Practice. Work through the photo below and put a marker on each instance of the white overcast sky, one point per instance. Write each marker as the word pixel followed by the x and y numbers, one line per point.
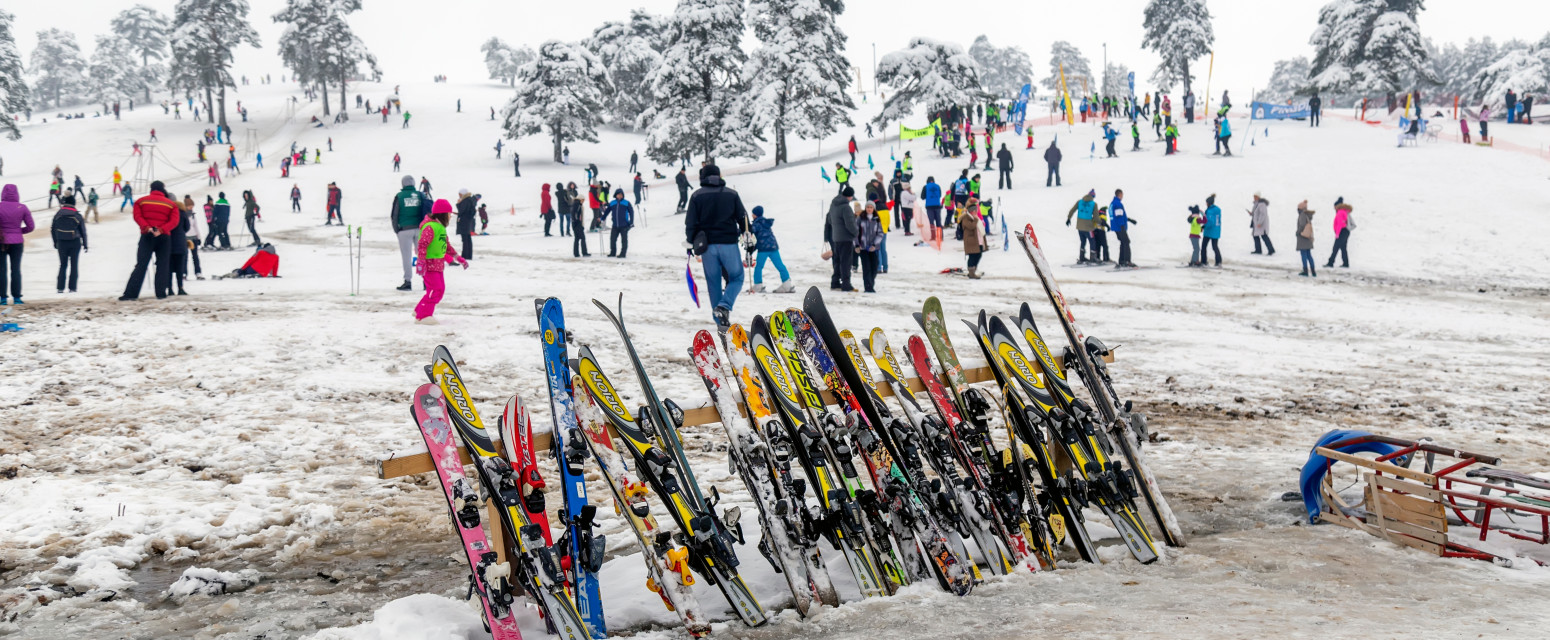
pixel 415 39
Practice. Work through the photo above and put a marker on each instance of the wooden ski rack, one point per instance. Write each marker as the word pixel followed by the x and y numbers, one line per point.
pixel 1410 508
pixel 395 466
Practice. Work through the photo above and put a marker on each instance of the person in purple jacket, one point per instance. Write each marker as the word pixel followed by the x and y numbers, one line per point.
pixel 15 224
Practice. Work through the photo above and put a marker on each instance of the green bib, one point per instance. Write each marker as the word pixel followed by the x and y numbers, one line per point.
pixel 438 248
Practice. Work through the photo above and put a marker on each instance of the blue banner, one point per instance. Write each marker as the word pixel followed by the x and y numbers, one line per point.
pixel 1020 108
pixel 1268 111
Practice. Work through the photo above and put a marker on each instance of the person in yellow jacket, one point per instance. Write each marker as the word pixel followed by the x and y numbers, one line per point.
pixel 117 178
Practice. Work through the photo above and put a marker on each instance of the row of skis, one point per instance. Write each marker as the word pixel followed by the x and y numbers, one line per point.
pixel 906 486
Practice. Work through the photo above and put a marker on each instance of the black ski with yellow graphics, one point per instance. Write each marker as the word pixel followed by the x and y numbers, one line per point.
pixel 977 512
pixel 538 570
pixel 841 520
pixel 1109 485
pixel 1009 472
pixel 709 544
pixel 891 456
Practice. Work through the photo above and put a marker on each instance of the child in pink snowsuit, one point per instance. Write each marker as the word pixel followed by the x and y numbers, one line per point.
pixel 434 254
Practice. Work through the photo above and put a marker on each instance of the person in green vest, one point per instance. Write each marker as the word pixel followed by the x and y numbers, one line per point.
pixel 434 255
pixel 1197 225
pixel 909 163
pixel 409 208
pixel 841 175
pixel 1171 140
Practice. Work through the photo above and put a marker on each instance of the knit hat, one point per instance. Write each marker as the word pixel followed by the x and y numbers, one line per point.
pixel 67 199
pixel 462 192
pixel 1092 192
pixel 1340 200
pixel 441 206
pixel 758 212
pixel 848 191
pixel 709 170
pixel 407 181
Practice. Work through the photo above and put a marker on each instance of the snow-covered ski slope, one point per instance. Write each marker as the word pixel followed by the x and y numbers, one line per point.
pixel 236 428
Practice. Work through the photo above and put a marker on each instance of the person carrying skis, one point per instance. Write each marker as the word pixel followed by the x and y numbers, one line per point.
pixel 407 212
pixel 1305 239
pixel 716 219
pixel 1083 211
pixel 1259 222
pixel 1211 231
pixel 1344 224
pixel 434 252
pixel 682 180
pixel 69 234
pixel 1052 158
pixel 334 198
pixel 621 215
pixel 1119 223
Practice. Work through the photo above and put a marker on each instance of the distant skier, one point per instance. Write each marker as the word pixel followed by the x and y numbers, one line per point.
pixel 1109 135
pixel 682 180
pixel 295 198
pixel 1052 158
pixel 1119 223
pixel 407 115
pixel 335 196
pixel 633 160
pixel 498 149
pixel 852 147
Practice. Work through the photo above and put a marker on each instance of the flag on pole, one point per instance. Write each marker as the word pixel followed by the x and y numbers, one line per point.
pixel 823 172
pixel 869 164
pixel 1065 97
pixel 694 290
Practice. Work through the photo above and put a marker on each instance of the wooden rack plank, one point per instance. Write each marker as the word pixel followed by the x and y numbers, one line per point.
pixel 421 462
pixel 1410 488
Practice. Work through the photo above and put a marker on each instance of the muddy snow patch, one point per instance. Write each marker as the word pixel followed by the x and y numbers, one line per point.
pixel 200 581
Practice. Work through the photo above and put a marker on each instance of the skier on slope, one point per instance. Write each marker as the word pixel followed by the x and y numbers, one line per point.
pixel 1119 223
pixel 715 220
pixel 335 198
pixel 682 180
pixel 1109 135
pixel 296 199
pixel 1052 158
pixel 1083 211
pixel 852 147
pixel 769 249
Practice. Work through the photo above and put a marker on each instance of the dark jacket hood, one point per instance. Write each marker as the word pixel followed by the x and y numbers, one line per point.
pixel 712 181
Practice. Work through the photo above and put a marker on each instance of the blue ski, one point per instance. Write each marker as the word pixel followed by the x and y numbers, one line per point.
pixel 569 444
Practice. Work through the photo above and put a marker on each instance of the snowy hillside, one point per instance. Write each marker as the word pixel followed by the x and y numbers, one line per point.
pixel 150 449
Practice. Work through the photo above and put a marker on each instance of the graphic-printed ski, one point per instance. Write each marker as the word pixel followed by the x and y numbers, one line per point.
pixel 535 564
pixel 489 578
pixel 516 429
pixel 667 566
pixel 579 544
pixel 1121 431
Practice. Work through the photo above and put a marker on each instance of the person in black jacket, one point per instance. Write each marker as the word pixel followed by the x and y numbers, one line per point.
pixel 578 247
pixel 467 218
pixel 180 245
pixel 839 230
pixel 1052 158
pixel 1315 109
pixel 1004 163
pixel 69 233
pixel 716 219
pixel 683 190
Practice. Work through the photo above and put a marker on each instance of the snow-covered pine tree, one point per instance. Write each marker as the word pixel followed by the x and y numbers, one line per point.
pixel 1368 46
pixel 629 49
pixel 798 77
pixel 503 60
pixel 204 34
pixel 1003 70
pixel 14 92
pixel 927 73
pixel 697 91
pixel 559 94
pixel 112 74
pixel 1287 81
pixel 1079 75
pixel 1524 70
pixel 57 66
pixel 1179 32
pixel 1116 80
pixel 1458 66
pixel 146 30
pixel 320 47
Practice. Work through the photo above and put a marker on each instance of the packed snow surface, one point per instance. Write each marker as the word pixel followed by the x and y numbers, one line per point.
pixel 152 450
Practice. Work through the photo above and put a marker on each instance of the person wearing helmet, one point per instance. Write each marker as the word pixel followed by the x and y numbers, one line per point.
pixel 434 252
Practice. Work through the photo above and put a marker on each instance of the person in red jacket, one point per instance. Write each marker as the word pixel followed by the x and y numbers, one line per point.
pixel 157 215
pixel 546 209
pixel 334 196
pixel 852 147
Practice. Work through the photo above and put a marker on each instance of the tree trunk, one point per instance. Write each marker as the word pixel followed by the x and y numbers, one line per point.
pixel 780 144
pixel 323 90
pixel 209 100
pixel 145 61
pixel 342 87
pixel 222 99
pixel 559 133
pixel 1186 76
